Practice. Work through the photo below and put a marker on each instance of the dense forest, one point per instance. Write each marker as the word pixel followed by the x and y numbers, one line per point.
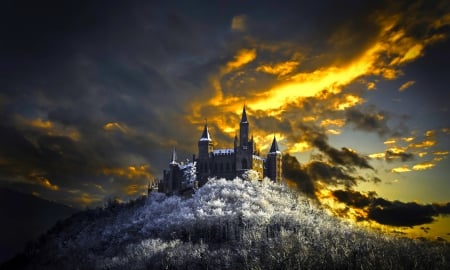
pixel 225 225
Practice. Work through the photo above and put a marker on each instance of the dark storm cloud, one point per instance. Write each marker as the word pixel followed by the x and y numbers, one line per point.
pixel 403 156
pixel 79 67
pixel 345 156
pixel 368 121
pixel 145 67
pixel 394 213
pixel 292 171
pixel 306 176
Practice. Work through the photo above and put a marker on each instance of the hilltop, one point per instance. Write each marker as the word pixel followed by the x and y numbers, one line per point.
pixel 225 225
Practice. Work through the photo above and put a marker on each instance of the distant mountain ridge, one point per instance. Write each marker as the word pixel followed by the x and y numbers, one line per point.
pixel 23 217
pixel 225 225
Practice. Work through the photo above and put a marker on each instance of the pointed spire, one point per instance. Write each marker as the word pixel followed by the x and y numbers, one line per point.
pixel 274 148
pixel 174 157
pixel 205 134
pixel 244 116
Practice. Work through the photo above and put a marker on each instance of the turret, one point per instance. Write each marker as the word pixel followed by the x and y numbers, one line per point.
pixel 205 144
pixel 274 162
pixel 205 149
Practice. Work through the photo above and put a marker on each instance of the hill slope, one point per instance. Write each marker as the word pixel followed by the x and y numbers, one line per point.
pixel 23 218
pixel 225 225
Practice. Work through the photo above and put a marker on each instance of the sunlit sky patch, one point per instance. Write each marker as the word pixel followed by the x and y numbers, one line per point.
pixel 92 104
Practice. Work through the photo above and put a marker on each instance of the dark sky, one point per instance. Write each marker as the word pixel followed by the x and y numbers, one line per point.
pixel 95 94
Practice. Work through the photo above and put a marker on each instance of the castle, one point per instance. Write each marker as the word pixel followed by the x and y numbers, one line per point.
pixel 226 163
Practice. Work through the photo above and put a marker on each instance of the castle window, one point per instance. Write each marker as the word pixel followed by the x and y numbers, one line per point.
pixel 244 164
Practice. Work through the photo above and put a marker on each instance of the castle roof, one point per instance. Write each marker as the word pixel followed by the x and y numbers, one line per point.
pixel 274 148
pixel 205 135
pixel 174 157
pixel 244 116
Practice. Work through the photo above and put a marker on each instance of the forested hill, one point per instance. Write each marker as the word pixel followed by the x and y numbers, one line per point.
pixel 225 225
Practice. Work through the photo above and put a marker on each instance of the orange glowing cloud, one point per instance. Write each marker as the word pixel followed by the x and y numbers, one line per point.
pixel 377 155
pixel 401 169
pixel 47 184
pixel 135 189
pixel 423 166
pixel 406 85
pixel 279 69
pixel 50 128
pixel 238 23
pixel 242 58
pixel 130 172
pixel 423 144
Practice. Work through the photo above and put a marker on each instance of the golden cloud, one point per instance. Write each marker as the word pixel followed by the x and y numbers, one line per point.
pixel 406 85
pixel 332 122
pixel 110 126
pixel 130 172
pixel 430 133
pixel 407 139
pixel 86 199
pixel 423 166
pixel 390 141
pixel 423 144
pixel 242 58
pixel 371 86
pixel 401 169
pixel 377 155
pixel 440 153
pixel 50 128
pixel 135 189
pixel 39 123
pixel 47 184
pixel 299 147
pixel 422 154
pixel 279 69
pixel 238 23
pixel 333 131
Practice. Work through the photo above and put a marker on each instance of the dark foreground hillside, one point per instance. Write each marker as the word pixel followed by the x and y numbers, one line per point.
pixel 225 225
pixel 23 217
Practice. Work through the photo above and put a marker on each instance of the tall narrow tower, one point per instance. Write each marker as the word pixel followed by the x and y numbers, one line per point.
pixel 205 148
pixel 273 162
pixel 243 130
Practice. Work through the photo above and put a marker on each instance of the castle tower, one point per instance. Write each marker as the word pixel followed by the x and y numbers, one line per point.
pixel 205 149
pixel 273 162
pixel 243 130
pixel 244 153
pixel 170 183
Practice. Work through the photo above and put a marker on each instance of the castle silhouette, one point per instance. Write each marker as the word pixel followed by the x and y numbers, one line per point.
pixel 226 163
